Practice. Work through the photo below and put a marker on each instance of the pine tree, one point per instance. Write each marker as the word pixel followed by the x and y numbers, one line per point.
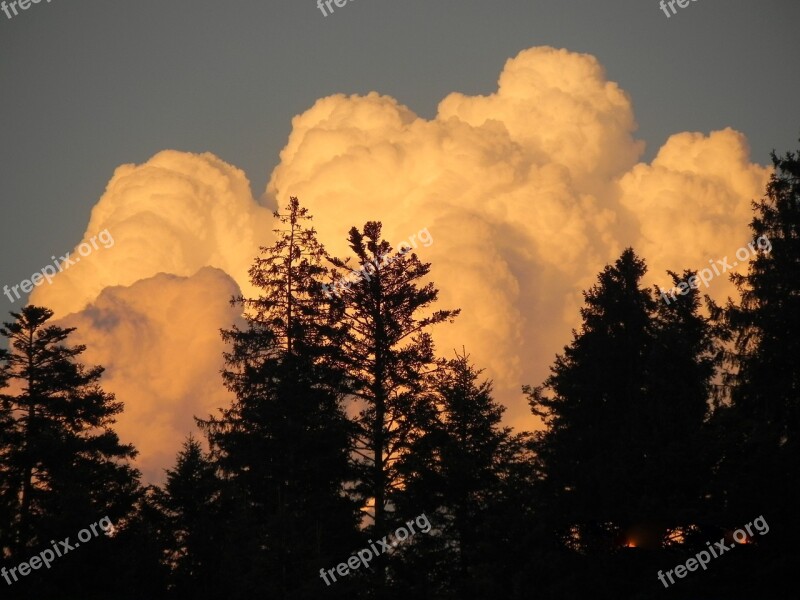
pixel 387 353
pixel 65 465
pixel 762 420
pixel 190 522
pixel 683 361
pixel 597 385
pixel 7 486
pixel 623 450
pixel 284 443
pixel 461 471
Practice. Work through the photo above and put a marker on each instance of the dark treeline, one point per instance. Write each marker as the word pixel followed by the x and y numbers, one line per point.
pixel 668 426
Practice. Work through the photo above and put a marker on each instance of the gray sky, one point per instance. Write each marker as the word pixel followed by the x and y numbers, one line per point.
pixel 88 85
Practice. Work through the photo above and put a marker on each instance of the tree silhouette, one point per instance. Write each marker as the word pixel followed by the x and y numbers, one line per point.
pixel 460 471
pixel 625 458
pixel 761 424
pixel 598 385
pixel 386 353
pixel 192 528
pixel 65 466
pixel 285 441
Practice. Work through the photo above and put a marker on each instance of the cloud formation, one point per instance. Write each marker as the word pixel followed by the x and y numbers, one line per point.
pixel 528 192
pixel 159 341
pixel 149 308
pixel 176 213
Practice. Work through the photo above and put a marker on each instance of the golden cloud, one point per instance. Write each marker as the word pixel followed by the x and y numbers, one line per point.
pixel 527 193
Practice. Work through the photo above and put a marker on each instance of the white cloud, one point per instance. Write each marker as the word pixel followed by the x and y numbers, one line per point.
pixel 527 192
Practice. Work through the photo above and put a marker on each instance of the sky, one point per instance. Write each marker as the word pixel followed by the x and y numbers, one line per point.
pixel 178 127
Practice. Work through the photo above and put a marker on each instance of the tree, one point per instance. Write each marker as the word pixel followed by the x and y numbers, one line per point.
pixel 761 423
pixel 387 353
pixel 462 471
pixel 7 486
pixel 284 443
pixel 64 464
pixel 191 524
pixel 684 359
pixel 597 385
pixel 623 451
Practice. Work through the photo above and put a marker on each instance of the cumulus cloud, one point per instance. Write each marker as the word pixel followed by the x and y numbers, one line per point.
pixel 176 213
pixel 150 307
pixel 159 341
pixel 692 204
pixel 527 192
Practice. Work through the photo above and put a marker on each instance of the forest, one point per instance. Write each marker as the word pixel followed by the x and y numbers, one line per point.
pixel 667 464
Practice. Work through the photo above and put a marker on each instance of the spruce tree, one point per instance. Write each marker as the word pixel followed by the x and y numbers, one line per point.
pixel 387 353
pixel 597 385
pixel 683 361
pixel 462 471
pixel 761 468
pixel 623 454
pixel 65 467
pixel 191 525
pixel 7 484
pixel 284 443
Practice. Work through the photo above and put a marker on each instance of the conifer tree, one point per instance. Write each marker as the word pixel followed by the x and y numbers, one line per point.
pixel 683 361
pixel 191 525
pixel 64 466
pixel 7 487
pixel 596 385
pixel 284 443
pixel 387 353
pixel 623 453
pixel 761 422
pixel 461 471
